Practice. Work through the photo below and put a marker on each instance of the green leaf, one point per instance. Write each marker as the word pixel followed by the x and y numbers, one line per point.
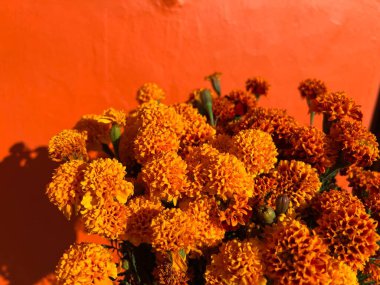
pixel 182 253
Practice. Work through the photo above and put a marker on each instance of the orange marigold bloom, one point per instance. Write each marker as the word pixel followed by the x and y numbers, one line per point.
pixel 235 104
pixel 222 142
pixel 311 88
pixel 85 263
pixel 173 230
pixel 256 150
pixel 165 271
pixel 296 179
pixel 312 146
pixel 148 92
pixel 64 191
pixel 363 182
pixel 109 220
pixel 225 175
pixel 342 274
pixel 358 145
pixel 205 212
pixel 257 86
pixel 238 262
pixel 294 256
pixel 165 177
pixel 264 184
pixel 112 116
pixel 237 211
pixel 337 106
pixel 350 235
pixel 152 141
pixel 197 130
pixel 67 145
pixel 372 269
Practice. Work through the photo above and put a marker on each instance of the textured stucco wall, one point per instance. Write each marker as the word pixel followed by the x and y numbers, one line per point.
pixel 61 59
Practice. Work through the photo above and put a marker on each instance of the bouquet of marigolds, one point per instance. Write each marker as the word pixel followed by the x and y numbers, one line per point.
pixel 218 190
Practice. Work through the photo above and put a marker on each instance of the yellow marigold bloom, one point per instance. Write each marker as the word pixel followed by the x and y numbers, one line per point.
pixel 104 181
pixel 141 212
pixel 350 235
pixel 358 145
pixel 196 128
pixel 329 201
pixel 108 220
pixel 298 180
pixel 257 86
pixel 311 88
pixel 98 133
pixel 237 211
pixel 337 106
pixel 342 274
pixel 64 191
pixel 256 150
pixel 225 175
pixel 312 146
pixel 294 256
pixel 205 212
pixel 148 92
pixel 165 177
pixel 152 141
pixel 235 104
pixel 67 145
pixel 173 230
pixel 85 263
pixel 112 116
pixel 160 116
pixel 165 271
pixel 372 268
pixel 238 262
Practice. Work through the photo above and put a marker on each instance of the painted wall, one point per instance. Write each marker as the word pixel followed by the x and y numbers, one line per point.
pixel 60 59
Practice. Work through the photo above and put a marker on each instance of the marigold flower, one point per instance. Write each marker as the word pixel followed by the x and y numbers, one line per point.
pixel 372 269
pixel 237 211
pixel 225 175
pixel 312 146
pixel 311 88
pixel 112 116
pixel 238 262
pixel 222 142
pixel 296 179
pixel 197 130
pixel 264 184
pixel 67 145
pixel 152 141
pixel 165 271
pixel 337 106
pixel 104 180
pixel 173 230
pixel 342 274
pixel 364 183
pixel 350 235
pixel 108 220
pixel 64 191
pixel 257 86
pixel 256 150
pixel 165 177
pixel 148 92
pixel 358 145
pixel 85 263
pixel 294 256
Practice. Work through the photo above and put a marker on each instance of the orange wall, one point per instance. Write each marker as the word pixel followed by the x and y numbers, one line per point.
pixel 60 59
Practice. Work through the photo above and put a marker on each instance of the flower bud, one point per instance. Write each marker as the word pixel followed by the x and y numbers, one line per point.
pixel 282 204
pixel 115 133
pixel 267 214
pixel 215 82
pixel 206 99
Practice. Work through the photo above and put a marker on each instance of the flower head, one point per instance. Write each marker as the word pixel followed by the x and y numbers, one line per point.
pixel 358 145
pixel 165 177
pixel 337 106
pixel 85 263
pixel 149 92
pixel 65 190
pixel 256 150
pixel 238 262
pixel 257 86
pixel 342 274
pixel 67 145
pixel 166 272
pixel 294 256
pixel 312 88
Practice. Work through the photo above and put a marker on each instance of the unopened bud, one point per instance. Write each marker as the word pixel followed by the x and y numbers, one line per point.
pixel 115 133
pixel 215 82
pixel 267 214
pixel 282 204
pixel 206 99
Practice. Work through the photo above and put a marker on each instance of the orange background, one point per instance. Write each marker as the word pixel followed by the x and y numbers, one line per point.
pixel 60 59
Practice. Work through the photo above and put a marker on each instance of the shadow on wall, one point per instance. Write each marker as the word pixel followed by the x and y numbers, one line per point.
pixel 34 233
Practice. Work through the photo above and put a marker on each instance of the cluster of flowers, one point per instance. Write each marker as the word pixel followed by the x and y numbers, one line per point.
pixel 219 190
